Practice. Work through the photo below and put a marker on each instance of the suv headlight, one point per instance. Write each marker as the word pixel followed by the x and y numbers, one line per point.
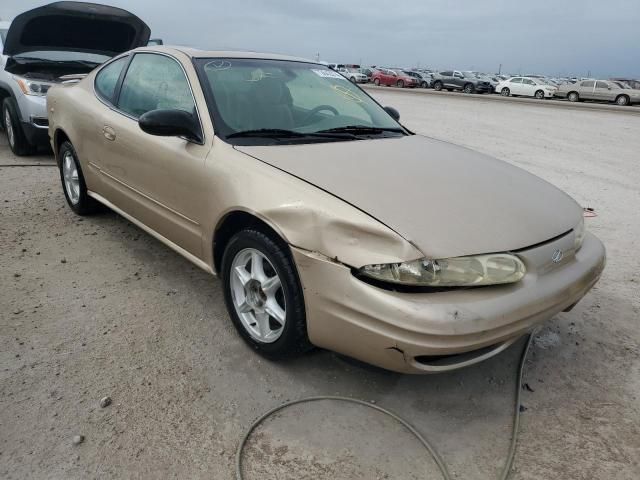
pixel 477 270
pixel 578 232
pixel 33 87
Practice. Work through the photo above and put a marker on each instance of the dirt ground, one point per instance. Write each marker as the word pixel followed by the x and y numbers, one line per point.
pixel 94 307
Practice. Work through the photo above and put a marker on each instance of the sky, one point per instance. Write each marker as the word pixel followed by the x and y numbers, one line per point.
pixel 558 37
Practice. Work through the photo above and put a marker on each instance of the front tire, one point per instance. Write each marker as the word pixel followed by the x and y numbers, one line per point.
pixel 16 138
pixel 539 95
pixel 622 100
pixel 469 88
pixel 263 294
pixel 400 84
pixel 73 184
pixel 505 92
pixel 376 82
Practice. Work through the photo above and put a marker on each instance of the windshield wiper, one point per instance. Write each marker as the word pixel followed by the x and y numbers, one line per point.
pixel 362 130
pixel 282 133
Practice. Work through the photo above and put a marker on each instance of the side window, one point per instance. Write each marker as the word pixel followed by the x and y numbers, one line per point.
pixel 446 74
pixel 588 84
pixel 154 82
pixel 602 85
pixel 107 78
pixel 516 80
pixel 527 81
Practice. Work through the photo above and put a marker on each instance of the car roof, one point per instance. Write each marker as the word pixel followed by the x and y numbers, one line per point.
pixel 197 53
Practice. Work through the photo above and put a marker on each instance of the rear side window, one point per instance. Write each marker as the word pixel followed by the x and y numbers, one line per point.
pixel 587 84
pixel 446 74
pixel 602 85
pixel 154 82
pixel 527 81
pixel 107 78
pixel 516 80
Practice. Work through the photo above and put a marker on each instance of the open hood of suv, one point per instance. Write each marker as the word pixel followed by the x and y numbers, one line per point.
pixel 77 27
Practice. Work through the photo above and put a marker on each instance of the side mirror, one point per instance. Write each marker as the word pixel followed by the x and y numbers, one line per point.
pixel 171 123
pixel 395 114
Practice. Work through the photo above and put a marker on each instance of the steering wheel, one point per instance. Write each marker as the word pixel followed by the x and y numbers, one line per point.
pixel 320 108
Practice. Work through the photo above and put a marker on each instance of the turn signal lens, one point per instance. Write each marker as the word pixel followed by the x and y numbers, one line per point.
pixel 477 270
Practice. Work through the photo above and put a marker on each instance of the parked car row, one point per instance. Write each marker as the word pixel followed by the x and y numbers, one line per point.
pixel 619 91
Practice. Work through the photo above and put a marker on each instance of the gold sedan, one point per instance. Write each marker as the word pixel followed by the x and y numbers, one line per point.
pixel 328 222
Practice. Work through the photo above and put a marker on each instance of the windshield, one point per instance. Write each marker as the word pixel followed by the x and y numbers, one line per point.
pixel 257 95
pixel 64 56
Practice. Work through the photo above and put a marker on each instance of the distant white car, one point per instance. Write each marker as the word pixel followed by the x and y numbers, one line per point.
pixel 526 87
pixel 353 74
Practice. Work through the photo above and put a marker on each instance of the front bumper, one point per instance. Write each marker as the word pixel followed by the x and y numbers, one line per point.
pixel 33 118
pixel 404 331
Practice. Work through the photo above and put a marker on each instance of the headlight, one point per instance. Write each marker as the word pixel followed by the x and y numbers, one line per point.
pixel 477 270
pixel 31 87
pixel 578 232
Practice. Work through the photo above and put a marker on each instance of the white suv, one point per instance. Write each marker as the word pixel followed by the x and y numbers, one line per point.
pixel 36 57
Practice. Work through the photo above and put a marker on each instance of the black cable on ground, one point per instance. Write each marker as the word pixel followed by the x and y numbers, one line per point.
pixel 506 470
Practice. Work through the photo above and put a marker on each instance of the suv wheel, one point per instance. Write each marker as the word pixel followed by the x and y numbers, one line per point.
pixel 263 294
pixel 573 97
pixel 73 185
pixel 15 136
pixel 469 88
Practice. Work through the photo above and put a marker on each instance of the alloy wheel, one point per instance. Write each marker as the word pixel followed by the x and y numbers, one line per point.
pixel 70 177
pixel 505 92
pixel 256 291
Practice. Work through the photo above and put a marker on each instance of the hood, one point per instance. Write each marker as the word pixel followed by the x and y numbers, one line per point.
pixel 447 200
pixel 77 27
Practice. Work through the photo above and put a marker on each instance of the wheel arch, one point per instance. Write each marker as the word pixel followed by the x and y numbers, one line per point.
pixel 234 221
pixel 59 136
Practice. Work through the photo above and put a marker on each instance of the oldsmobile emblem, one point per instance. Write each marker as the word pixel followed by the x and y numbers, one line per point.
pixel 557 256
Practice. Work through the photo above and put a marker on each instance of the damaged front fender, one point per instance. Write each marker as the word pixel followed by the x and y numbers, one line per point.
pixel 304 215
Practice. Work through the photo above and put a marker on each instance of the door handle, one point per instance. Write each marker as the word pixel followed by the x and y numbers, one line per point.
pixel 109 133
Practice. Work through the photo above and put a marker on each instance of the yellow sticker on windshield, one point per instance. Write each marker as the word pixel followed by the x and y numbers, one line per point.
pixel 348 93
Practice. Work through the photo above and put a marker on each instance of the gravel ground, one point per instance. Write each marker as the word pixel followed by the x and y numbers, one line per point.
pixel 94 307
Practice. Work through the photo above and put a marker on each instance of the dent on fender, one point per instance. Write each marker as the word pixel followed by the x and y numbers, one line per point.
pixel 340 240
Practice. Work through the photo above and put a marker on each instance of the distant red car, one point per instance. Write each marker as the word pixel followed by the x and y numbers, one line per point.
pixel 383 76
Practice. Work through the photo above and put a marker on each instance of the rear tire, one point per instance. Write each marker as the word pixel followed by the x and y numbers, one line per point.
pixel 539 95
pixel 573 97
pixel 259 326
pixel 505 92
pixel 73 184
pixel 437 86
pixel 469 88
pixel 16 138
pixel 622 100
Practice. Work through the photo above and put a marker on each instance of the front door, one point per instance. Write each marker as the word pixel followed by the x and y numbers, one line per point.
pixel 157 180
